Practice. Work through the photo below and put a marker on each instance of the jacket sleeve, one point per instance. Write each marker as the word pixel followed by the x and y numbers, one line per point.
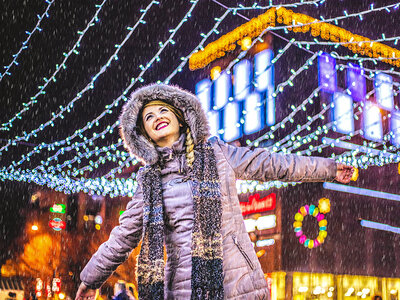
pixel 123 239
pixel 262 165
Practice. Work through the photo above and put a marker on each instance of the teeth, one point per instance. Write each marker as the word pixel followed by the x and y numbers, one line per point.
pixel 161 124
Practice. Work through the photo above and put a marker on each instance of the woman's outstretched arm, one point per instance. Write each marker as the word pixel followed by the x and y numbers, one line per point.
pixel 263 165
pixel 116 249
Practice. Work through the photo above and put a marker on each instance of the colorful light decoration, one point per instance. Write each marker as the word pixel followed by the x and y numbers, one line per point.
pixel 313 211
pixel 24 44
pixel 57 224
pixel 298 23
pixel 78 133
pixel 59 67
pixel 58 208
pixel 68 107
pixel 354 177
pixel 324 205
pixel 51 176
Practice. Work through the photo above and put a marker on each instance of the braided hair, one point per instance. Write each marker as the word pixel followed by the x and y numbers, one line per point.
pixel 189 147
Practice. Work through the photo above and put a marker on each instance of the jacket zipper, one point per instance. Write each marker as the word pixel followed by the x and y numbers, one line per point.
pixel 171 279
pixel 175 266
pixel 248 260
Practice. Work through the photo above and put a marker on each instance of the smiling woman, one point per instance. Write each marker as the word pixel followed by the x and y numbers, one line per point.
pixel 161 124
pixel 187 200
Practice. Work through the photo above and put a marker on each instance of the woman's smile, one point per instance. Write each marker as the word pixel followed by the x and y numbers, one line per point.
pixel 161 125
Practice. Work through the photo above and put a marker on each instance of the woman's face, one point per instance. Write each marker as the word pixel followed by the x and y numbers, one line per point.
pixel 161 125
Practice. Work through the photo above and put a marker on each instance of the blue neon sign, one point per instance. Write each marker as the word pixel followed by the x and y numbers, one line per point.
pixel 327 73
pixel 241 103
pixel 372 116
pixel 356 82
pixel 384 90
pixel 343 113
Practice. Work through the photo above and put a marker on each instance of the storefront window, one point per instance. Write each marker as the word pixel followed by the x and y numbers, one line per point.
pixel 276 285
pixel 357 287
pixel 313 286
pixel 391 286
pixel 308 286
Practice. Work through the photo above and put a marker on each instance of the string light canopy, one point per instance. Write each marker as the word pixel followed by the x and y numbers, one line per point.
pixel 63 164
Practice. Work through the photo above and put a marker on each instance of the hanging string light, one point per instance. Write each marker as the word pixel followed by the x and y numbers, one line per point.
pixel 25 43
pixel 59 67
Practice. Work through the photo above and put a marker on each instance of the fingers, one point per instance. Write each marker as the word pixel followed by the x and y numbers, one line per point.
pixel 84 293
pixel 344 173
pixel 85 296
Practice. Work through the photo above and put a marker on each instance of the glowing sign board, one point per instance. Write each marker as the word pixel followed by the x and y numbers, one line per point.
pixel 383 84
pixel 395 127
pixel 213 120
pixel 327 73
pixel 356 82
pixel 203 92
pixel 265 243
pixel 58 208
pixel 266 222
pixel 373 123
pixel 242 79
pixel 256 205
pixel 57 224
pixel 231 122
pixel 372 119
pixel 343 113
pixel 262 223
pixel 222 90
pixel 264 70
pixel 242 102
pixel 253 118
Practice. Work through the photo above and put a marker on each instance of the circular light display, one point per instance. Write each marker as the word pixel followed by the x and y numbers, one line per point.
pixel 313 211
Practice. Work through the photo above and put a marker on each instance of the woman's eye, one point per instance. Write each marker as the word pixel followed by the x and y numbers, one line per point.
pixel 164 109
pixel 148 117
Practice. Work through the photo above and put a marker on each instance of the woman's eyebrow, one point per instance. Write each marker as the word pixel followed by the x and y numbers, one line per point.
pixel 145 116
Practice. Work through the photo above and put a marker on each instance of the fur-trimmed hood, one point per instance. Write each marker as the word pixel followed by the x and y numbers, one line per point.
pixel 139 145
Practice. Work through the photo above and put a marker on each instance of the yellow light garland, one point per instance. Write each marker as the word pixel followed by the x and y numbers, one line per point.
pixel 253 28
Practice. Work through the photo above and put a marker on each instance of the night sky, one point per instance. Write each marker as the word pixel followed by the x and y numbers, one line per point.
pixel 59 33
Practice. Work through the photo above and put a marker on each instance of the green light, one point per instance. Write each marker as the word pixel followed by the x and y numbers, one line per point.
pixel 58 208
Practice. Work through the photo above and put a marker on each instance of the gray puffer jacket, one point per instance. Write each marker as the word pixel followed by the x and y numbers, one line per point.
pixel 243 277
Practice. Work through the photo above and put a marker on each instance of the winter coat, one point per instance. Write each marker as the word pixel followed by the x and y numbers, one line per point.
pixel 243 276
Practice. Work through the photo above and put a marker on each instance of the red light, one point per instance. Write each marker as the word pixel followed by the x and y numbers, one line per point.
pixel 256 205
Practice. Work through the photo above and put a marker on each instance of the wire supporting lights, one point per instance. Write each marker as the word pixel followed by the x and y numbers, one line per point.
pixel 89 86
pixel 310 210
pixel 297 22
pixel 256 6
pixel 115 103
pixel 99 186
pixel 250 186
pixel 6 175
pixel 25 43
pixel 57 171
pixel 199 46
pixel 59 67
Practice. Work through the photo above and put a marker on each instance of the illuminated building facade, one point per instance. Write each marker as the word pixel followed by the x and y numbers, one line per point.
pixel 359 256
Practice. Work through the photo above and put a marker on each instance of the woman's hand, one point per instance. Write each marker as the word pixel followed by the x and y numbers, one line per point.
pixel 84 293
pixel 344 173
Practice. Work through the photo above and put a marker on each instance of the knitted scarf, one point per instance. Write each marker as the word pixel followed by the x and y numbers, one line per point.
pixel 207 275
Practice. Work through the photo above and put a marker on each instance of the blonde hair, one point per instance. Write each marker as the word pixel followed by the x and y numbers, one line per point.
pixel 189 143
pixel 189 148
